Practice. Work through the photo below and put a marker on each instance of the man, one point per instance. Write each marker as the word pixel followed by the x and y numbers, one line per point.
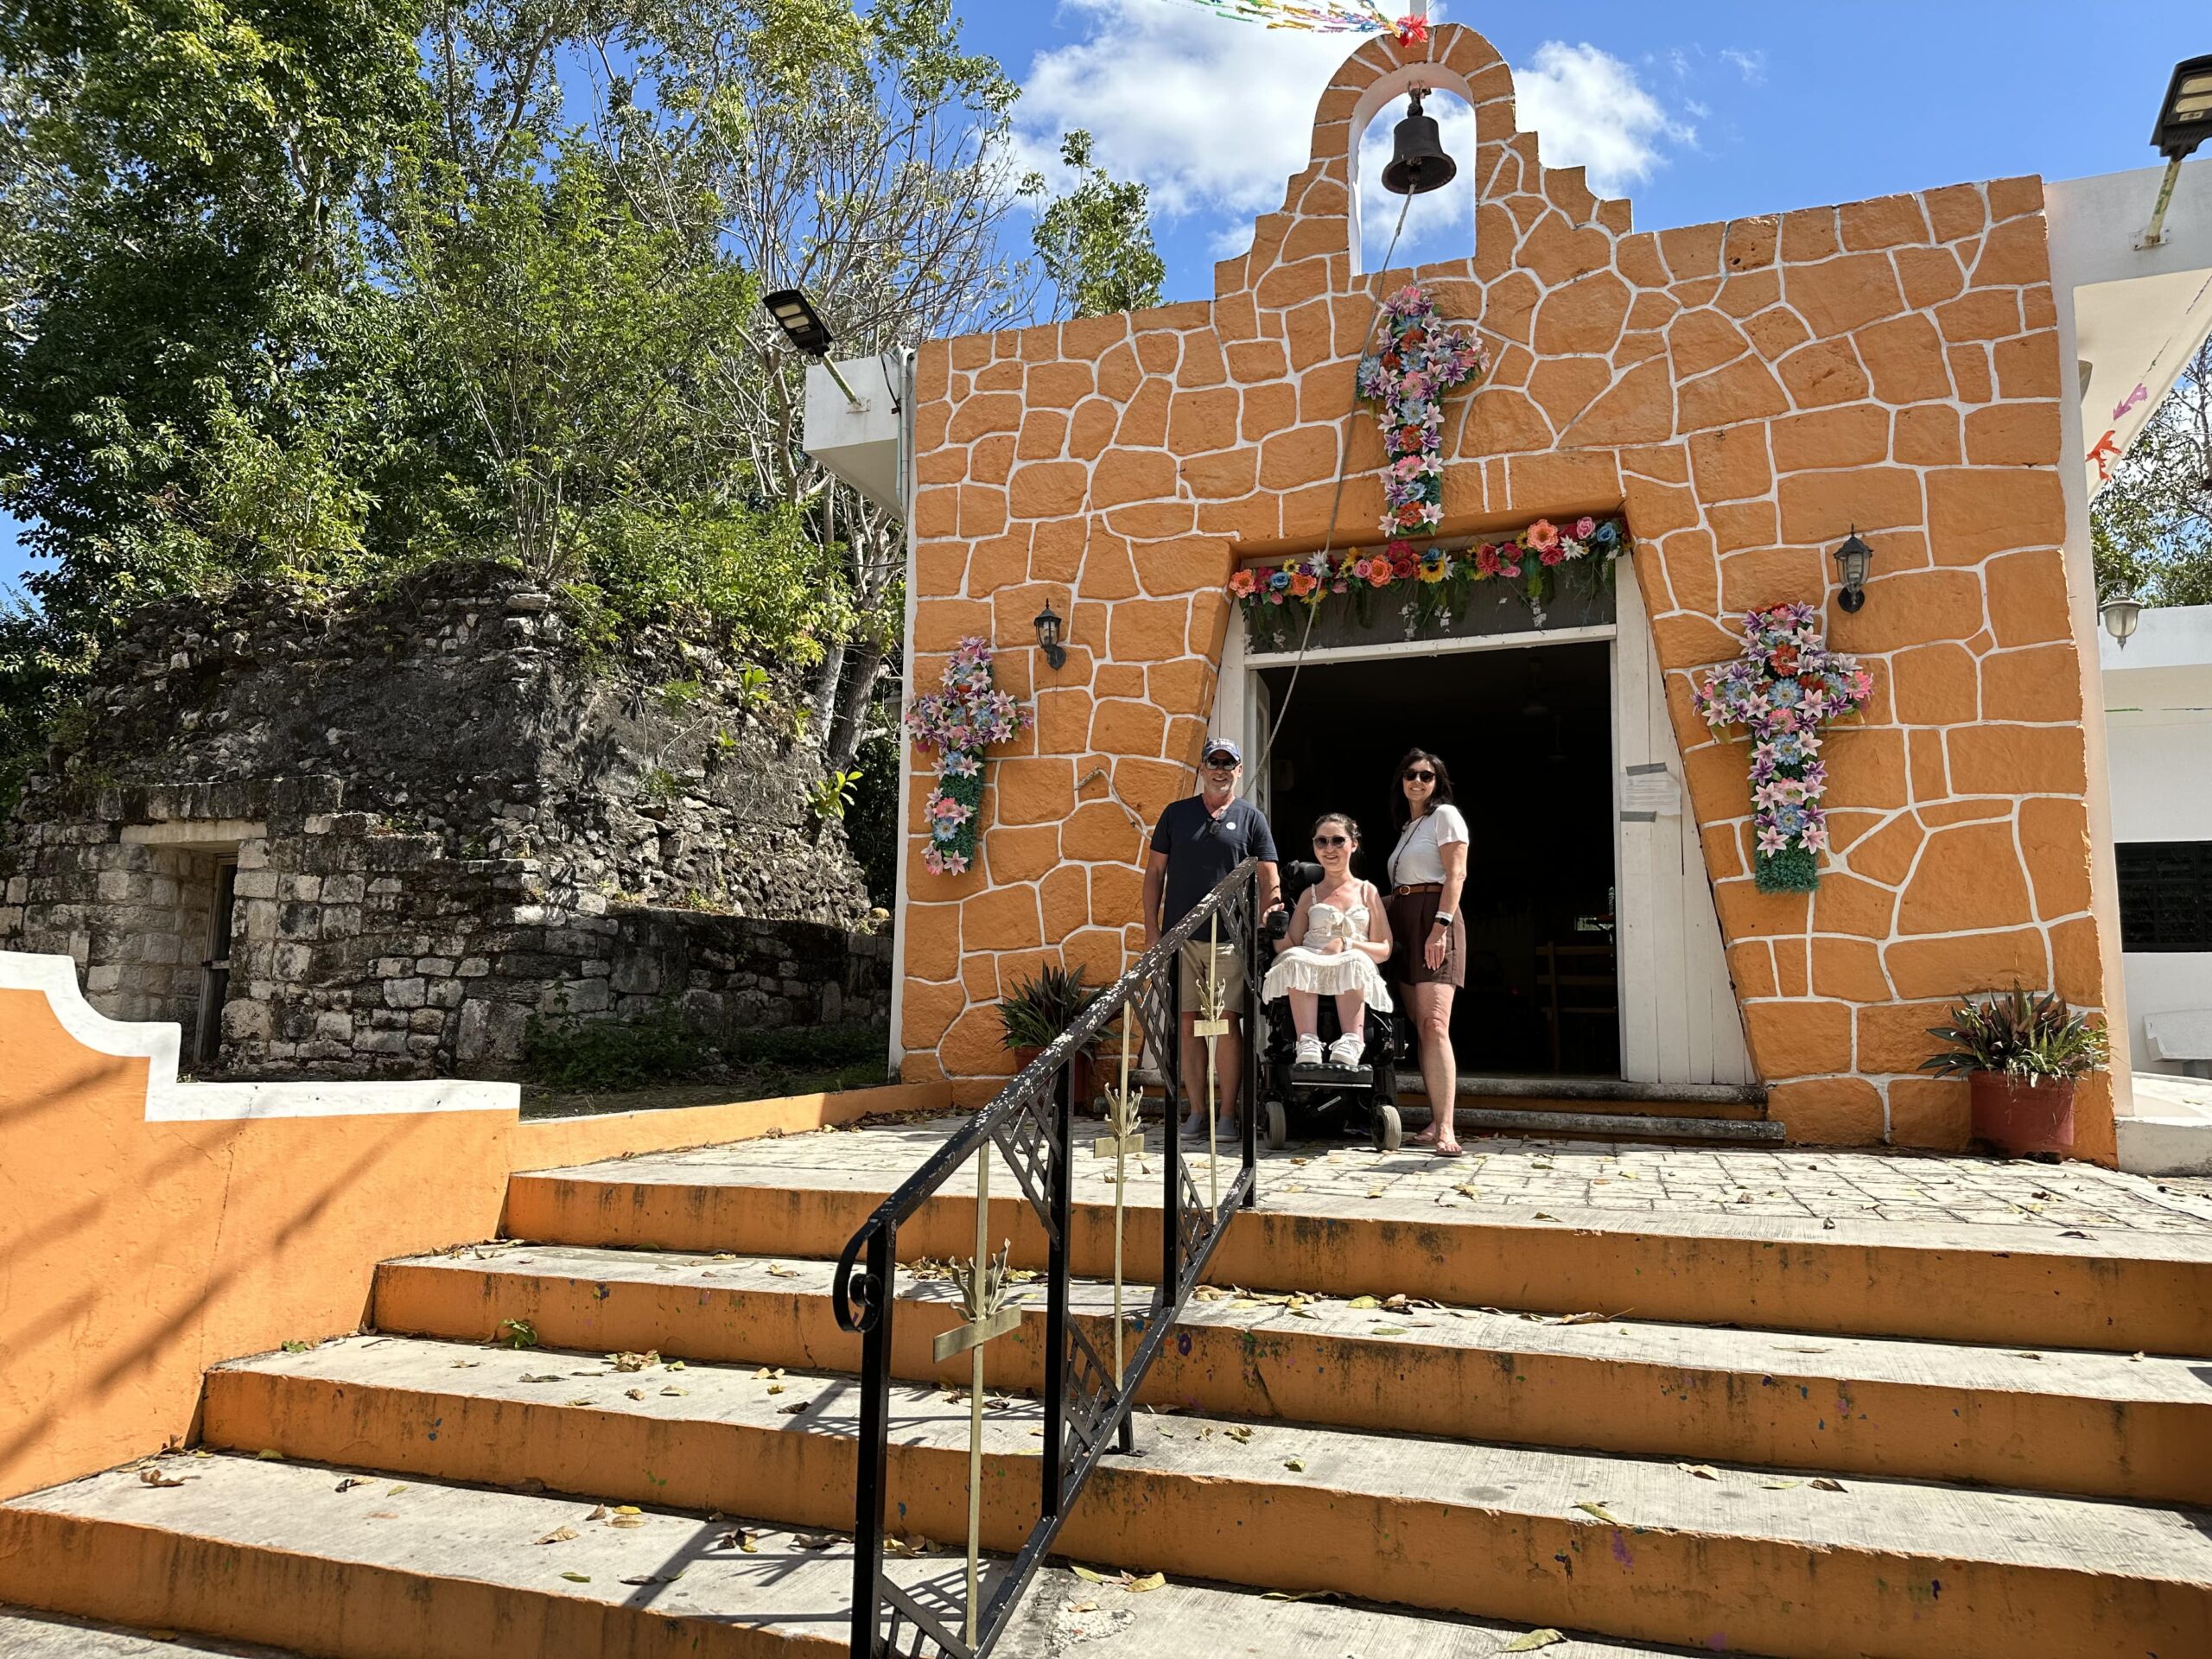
pixel 1197 841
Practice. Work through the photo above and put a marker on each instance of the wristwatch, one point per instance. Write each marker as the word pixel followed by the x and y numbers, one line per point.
pixel 1443 918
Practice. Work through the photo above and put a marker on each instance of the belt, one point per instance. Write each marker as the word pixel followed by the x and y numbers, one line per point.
pixel 1417 886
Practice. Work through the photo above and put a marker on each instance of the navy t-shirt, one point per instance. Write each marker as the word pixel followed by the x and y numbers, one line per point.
pixel 1201 849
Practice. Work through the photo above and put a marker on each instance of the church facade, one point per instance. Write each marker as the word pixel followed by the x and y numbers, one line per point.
pixel 1737 398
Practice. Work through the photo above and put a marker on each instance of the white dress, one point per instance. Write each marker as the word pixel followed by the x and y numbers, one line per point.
pixel 1304 967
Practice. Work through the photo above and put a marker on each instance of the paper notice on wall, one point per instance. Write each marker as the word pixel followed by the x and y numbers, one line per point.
pixel 1650 792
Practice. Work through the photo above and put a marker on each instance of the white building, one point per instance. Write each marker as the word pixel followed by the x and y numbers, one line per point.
pixel 2158 722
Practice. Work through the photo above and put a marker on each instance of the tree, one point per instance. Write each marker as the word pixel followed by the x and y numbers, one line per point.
pixel 1095 240
pixel 2150 528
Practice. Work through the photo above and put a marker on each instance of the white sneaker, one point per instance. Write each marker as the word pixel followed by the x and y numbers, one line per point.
pixel 1346 1051
pixel 1309 1051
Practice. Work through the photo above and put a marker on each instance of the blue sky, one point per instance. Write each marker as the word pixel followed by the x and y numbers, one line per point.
pixel 1697 109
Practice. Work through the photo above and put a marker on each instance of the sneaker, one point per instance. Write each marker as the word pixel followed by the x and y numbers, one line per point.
pixel 1194 1127
pixel 1309 1051
pixel 1346 1051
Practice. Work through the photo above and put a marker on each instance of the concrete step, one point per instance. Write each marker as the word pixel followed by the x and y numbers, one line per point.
pixel 50 1635
pixel 1953 1281
pixel 1638 1549
pixel 1576 1122
pixel 428 1571
pixel 2094 1424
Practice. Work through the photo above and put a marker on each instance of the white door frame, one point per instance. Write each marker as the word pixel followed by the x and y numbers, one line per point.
pixel 1678 1019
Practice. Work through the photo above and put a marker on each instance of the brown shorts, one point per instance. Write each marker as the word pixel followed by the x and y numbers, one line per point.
pixel 1228 974
pixel 1411 914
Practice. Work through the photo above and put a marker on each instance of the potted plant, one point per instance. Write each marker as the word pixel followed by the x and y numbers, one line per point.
pixel 1036 1011
pixel 2020 1055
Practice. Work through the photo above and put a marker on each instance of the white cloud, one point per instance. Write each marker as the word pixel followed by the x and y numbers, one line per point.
pixel 1751 65
pixel 1591 112
pixel 1213 115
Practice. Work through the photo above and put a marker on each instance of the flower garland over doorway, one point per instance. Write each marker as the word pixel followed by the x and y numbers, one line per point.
pixel 1785 686
pixel 1421 361
pixel 957 724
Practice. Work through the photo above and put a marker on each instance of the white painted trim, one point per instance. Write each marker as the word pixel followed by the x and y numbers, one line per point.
pixel 169 1101
pixel 907 474
pixel 1389 648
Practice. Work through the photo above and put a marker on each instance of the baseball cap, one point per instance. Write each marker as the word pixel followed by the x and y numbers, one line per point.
pixel 1222 746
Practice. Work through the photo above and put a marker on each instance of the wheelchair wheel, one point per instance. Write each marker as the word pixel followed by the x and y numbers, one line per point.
pixel 1278 1125
pixel 1389 1133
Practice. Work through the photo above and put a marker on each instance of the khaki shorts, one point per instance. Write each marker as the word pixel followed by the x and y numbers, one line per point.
pixel 1228 974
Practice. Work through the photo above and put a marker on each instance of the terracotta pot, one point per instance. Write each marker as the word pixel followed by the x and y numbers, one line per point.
pixel 1083 1065
pixel 2010 1113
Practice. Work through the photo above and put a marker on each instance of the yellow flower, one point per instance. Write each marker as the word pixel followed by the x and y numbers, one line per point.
pixel 1434 570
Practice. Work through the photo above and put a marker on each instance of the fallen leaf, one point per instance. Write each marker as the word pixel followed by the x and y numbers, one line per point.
pixel 1824 1485
pixel 767 1373
pixel 633 1394
pixel 1084 1607
pixel 634 1362
pixel 577 1578
pixel 1362 1302
pixel 907 1549
pixel 1584 1319
pixel 270 1454
pixel 1388 1330
pixel 558 1535
pixel 1301 1595
pixel 1241 1434
pixel 1601 1512
pixel 1702 1471
pixel 1540 1215
pixel 397 1489
pixel 673 1365
pixel 676 1390
pixel 626 1522
pixel 1780 1485
pixel 349 1484
pixel 550 1376
pixel 1150 1581
pixel 736 1539
pixel 1090 1577
pixel 778 1270
pixel 794 1408
pixel 598 1512
pixel 651 1578
pixel 1296 1466
pixel 1531 1642
pixel 775 1387
pixel 155 1477
pixel 582 1400
pixel 816 1540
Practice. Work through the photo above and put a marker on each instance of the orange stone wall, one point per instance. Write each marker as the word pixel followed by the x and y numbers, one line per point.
pixel 1746 392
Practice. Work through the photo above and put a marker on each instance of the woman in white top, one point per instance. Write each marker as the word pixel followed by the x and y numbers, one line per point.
pixel 1429 868
pixel 1342 940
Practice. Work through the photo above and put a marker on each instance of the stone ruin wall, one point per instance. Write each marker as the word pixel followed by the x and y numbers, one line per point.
pixel 445 820
pixel 1743 392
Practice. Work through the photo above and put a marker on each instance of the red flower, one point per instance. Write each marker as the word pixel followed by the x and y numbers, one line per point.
pixel 1402 565
pixel 1783 659
pixel 1551 555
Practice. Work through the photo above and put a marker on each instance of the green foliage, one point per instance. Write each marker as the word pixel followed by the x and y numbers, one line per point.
pixel 2021 1034
pixel 831 795
pixel 516 1333
pixel 1095 240
pixel 1036 1011
pixel 872 820
pixel 807 1047
pixel 2150 528
pixel 616 1053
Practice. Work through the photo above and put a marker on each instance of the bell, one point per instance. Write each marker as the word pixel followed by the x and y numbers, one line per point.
pixel 1418 164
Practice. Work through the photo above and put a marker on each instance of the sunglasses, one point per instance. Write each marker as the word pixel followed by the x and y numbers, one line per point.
pixel 1416 775
pixel 1223 763
pixel 1332 841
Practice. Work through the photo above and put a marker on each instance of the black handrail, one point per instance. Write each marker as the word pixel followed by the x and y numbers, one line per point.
pixel 1031 1122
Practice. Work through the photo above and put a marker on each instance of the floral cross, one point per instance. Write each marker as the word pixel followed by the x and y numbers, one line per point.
pixel 1785 686
pixel 958 723
pixel 1420 362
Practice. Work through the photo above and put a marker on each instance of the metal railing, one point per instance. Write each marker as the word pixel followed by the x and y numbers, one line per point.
pixel 1031 1124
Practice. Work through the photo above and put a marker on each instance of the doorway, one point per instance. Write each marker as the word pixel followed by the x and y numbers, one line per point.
pixel 1527 735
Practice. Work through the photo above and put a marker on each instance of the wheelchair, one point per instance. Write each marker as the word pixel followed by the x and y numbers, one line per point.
pixel 1342 1100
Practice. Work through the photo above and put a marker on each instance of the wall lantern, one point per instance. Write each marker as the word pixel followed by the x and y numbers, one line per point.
pixel 2120 614
pixel 1853 561
pixel 2185 122
pixel 810 336
pixel 1048 637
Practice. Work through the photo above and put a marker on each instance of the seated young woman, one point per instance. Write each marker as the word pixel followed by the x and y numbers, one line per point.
pixel 1341 936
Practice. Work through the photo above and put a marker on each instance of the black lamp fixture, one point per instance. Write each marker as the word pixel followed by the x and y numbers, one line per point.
pixel 2185 122
pixel 1418 164
pixel 2120 614
pixel 810 336
pixel 1048 637
pixel 1853 561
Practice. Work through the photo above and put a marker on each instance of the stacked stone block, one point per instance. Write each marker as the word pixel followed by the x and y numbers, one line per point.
pixel 1745 392
pixel 445 820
